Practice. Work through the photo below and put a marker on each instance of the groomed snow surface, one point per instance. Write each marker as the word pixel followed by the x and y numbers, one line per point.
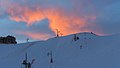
pixel 89 51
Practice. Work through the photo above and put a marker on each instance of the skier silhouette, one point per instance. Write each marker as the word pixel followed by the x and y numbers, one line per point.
pixel 26 63
pixel 75 37
pixel 81 46
pixel 29 65
pixel 51 60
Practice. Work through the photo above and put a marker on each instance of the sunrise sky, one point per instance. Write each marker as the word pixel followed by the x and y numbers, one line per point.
pixel 39 19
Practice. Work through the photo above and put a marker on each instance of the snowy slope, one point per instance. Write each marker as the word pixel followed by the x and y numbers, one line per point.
pixel 96 52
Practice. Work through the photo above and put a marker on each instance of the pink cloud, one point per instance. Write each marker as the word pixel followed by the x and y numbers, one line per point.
pixel 36 36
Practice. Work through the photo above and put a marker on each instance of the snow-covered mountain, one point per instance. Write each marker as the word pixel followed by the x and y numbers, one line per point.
pixel 88 51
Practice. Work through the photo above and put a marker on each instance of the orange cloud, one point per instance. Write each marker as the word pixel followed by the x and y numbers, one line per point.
pixel 65 22
pixel 24 14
